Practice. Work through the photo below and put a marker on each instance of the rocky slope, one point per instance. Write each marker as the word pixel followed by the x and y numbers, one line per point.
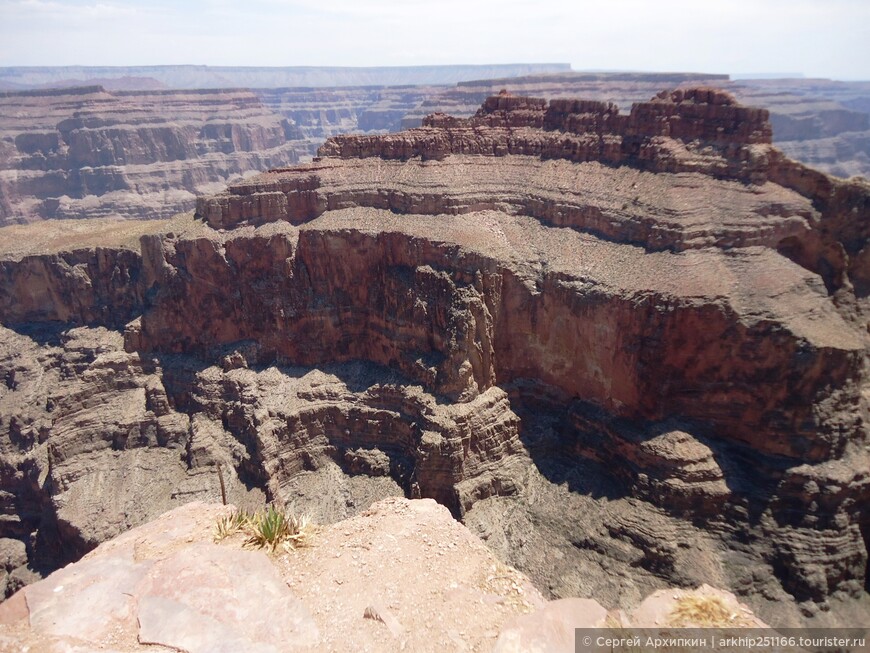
pixel 401 576
pixel 628 350
pixel 85 152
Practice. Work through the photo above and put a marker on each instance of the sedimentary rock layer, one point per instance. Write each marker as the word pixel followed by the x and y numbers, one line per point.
pixel 819 122
pixel 317 114
pixel 619 346
pixel 85 152
pixel 813 218
pixel 145 153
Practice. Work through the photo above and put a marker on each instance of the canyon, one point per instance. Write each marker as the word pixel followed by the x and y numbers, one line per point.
pixel 628 350
pixel 84 152
pixel 133 149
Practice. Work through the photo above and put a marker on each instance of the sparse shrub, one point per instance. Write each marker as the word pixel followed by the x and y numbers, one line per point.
pixel 267 528
pixel 704 612
pixel 230 524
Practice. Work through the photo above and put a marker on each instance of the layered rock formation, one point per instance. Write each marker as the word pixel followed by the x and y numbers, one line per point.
pixel 75 153
pixel 629 350
pixel 85 152
pixel 622 89
pixel 317 114
pixel 820 122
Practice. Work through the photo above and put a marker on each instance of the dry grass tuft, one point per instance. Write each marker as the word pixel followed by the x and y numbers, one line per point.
pixel 228 525
pixel 704 612
pixel 612 622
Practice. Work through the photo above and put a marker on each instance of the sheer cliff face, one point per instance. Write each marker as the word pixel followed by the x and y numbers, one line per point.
pixel 618 346
pixel 85 152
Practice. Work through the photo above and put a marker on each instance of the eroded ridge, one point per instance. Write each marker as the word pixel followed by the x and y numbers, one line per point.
pixel 692 168
pixel 609 368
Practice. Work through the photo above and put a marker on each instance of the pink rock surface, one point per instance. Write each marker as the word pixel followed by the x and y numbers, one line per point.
pixel 88 601
pixel 219 599
pixel 403 576
pixel 551 628
pixel 167 584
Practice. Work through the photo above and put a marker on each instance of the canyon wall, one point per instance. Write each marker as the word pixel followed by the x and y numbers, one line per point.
pixel 85 152
pixel 820 122
pixel 321 113
pixel 140 152
pixel 146 153
pixel 628 350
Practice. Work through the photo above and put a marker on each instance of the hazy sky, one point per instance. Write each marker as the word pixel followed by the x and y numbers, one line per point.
pixel 824 38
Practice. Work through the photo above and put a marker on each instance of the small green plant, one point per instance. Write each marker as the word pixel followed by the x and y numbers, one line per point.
pixel 267 528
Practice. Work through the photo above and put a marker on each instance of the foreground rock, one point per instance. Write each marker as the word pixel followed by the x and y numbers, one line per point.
pixel 628 350
pixel 401 576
